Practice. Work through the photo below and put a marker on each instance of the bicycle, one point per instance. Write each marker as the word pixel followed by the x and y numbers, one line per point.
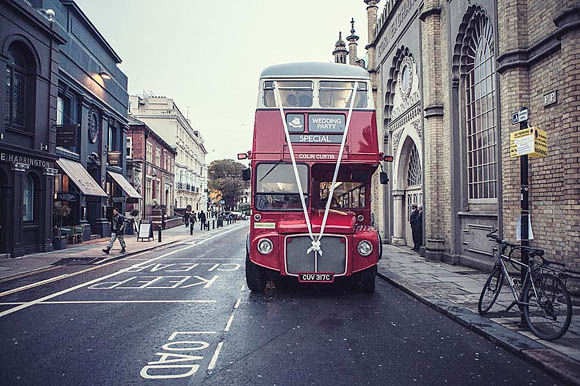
pixel 542 298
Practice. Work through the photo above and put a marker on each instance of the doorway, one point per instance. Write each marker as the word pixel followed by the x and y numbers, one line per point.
pixel 414 188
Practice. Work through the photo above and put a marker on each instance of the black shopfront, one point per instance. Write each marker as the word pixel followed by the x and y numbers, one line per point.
pixel 63 101
pixel 29 45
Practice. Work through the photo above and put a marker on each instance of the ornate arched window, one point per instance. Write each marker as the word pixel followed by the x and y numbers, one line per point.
pixel 20 86
pixel 480 109
pixel 414 173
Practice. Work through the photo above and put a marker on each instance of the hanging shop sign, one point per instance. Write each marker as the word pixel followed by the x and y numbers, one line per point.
pixel 532 142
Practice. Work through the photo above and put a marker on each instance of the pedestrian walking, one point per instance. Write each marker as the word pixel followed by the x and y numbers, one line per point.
pixel 186 216
pixel 117 228
pixel 416 220
pixel 202 220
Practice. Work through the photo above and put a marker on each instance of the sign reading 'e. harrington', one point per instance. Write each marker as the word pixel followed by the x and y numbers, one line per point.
pixel 15 158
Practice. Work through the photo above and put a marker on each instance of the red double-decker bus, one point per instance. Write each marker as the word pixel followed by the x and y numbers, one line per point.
pixel 314 151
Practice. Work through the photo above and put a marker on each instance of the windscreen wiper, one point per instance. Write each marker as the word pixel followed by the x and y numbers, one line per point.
pixel 269 171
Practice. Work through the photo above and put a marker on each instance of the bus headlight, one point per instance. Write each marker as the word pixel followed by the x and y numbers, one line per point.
pixel 265 246
pixel 365 248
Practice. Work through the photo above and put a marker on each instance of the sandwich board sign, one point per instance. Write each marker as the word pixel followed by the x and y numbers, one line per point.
pixel 145 230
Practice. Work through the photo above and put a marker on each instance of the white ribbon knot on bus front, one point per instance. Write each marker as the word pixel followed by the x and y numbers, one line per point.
pixel 315 240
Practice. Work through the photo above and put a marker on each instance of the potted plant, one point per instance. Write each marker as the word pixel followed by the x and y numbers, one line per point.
pixel 130 228
pixel 59 212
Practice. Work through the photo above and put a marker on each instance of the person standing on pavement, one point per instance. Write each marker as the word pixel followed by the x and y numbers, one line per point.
pixel 117 228
pixel 202 219
pixel 416 222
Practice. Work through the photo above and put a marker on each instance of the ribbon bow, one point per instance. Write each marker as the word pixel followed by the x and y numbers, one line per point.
pixel 315 247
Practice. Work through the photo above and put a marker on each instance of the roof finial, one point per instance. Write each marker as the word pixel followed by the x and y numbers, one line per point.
pixel 352 23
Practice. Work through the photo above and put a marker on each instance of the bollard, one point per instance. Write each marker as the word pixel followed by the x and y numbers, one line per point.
pixel 191 228
pixel 213 224
pixel 159 233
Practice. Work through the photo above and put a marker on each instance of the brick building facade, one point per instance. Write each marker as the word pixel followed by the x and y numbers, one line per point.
pixel 150 168
pixel 448 76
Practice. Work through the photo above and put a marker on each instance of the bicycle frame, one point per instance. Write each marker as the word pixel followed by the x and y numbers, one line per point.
pixel 511 283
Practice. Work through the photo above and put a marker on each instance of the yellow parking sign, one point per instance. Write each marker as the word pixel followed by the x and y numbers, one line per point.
pixel 532 142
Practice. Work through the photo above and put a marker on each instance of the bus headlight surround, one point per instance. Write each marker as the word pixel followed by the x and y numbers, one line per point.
pixel 265 246
pixel 365 248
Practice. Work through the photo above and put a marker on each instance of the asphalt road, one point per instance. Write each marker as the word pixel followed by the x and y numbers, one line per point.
pixel 183 316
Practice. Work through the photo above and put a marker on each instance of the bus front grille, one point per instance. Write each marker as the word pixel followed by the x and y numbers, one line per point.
pixel 332 260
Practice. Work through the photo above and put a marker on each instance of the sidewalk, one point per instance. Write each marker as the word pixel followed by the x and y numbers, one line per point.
pixel 90 252
pixel 455 290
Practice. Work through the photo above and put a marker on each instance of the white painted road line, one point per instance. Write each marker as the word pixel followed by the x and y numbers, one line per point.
pixel 33 285
pixel 215 356
pixel 229 324
pixel 48 297
pixel 110 302
pixel 237 304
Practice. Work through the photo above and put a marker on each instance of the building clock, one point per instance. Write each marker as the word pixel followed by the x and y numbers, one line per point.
pixel 93 127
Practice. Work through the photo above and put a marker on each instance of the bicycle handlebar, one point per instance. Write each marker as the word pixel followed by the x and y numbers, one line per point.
pixel 492 235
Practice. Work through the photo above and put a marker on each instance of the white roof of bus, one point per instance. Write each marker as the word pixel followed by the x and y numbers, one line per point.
pixel 314 69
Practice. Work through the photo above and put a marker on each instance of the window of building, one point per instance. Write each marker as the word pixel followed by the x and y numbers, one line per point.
pixel 67 131
pixel 19 87
pixel 149 154
pixel 28 201
pixel 480 114
pixel 149 190
pixel 414 173
pixel 129 147
pixel 158 157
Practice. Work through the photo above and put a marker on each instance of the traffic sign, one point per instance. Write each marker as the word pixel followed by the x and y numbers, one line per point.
pixel 532 142
pixel 520 116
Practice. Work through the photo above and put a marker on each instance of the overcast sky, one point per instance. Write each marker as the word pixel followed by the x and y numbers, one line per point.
pixel 207 55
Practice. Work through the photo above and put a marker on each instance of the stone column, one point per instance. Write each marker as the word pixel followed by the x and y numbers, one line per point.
pixel 372 25
pixel 567 21
pixel 437 177
pixel 398 214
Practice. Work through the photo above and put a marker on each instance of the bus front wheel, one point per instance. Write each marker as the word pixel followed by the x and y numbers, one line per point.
pixel 367 279
pixel 254 277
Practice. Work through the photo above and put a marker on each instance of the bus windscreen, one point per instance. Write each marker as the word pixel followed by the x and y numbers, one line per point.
pixel 276 187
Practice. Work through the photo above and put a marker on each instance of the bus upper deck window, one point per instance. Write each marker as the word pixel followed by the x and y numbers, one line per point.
pixel 269 100
pixel 292 93
pixel 338 94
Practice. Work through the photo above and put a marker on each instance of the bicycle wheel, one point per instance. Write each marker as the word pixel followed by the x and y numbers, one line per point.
pixel 490 290
pixel 548 308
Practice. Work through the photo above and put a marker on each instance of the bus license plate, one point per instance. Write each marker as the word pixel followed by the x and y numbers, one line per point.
pixel 316 277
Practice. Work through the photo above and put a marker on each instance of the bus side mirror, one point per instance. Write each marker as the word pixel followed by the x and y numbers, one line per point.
pixel 384 177
pixel 246 174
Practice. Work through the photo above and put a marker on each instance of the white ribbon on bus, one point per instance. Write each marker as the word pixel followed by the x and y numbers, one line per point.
pixel 315 240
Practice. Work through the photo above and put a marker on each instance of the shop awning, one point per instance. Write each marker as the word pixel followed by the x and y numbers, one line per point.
pixel 81 178
pixel 124 184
